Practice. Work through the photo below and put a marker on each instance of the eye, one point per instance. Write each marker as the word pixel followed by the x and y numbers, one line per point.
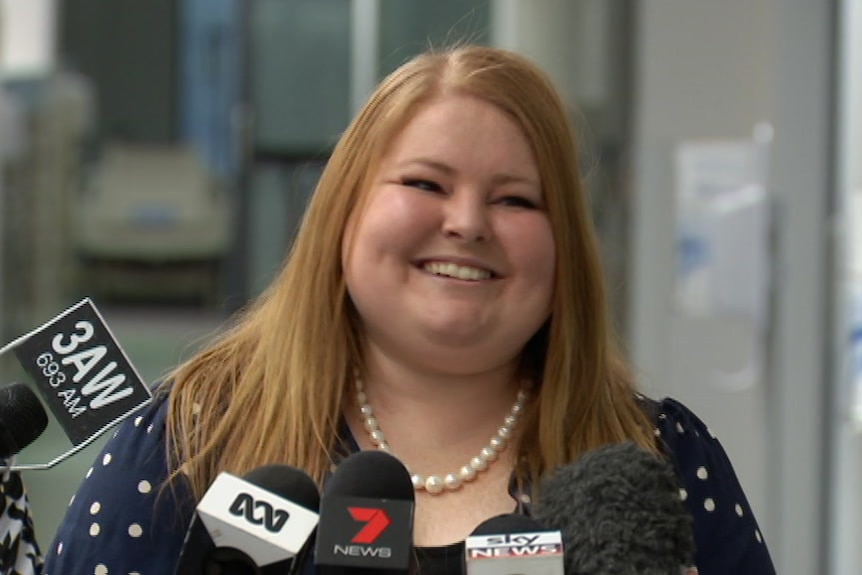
pixel 426 185
pixel 518 202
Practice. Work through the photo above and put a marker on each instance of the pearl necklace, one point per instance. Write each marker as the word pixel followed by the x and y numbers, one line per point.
pixel 436 484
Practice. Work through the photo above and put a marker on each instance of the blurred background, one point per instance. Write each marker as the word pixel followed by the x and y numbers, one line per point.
pixel 157 156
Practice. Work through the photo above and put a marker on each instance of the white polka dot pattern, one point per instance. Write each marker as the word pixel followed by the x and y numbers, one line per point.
pixel 110 528
pixel 708 484
pixel 117 498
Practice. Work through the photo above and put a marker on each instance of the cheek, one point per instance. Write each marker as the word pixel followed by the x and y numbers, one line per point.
pixel 532 248
pixel 392 224
pixel 394 219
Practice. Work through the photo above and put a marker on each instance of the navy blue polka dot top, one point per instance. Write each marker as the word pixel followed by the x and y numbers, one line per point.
pixel 121 523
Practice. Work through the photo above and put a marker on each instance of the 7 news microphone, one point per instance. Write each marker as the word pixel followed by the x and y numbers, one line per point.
pixel 366 517
pixel 260 524
pixel 619 511
pixel 513 544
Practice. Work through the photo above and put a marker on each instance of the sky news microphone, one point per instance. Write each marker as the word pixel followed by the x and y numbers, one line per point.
pixel 513 544
pixel 260 524
pixel 366 517
pixel 620 513
pixel 22 418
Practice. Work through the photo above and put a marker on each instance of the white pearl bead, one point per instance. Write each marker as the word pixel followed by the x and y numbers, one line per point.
pixel 434 485
pixel 488 454
pixel 452 481
pixel 467 473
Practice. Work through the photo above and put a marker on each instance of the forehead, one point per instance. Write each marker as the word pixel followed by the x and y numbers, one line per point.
pixel 458 128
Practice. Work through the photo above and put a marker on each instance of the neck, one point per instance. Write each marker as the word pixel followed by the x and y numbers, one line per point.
pixel 438 405
pixel 438 424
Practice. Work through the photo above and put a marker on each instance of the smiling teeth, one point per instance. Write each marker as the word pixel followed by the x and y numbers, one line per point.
pixel 455 271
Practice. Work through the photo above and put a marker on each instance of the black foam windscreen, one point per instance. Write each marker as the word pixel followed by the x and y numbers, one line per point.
pixel 620 512
pixel 508 523
pixel 22 418
pixel 372 474
pixel 288 482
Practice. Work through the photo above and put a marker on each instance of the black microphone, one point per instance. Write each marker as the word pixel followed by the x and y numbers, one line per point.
pixel 366 517
pixel 22 418
pixel 513 544
pixel 619 510
pixel 256 525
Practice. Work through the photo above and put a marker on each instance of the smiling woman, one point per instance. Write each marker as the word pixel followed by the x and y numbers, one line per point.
pixel 452 254
pixel 443 302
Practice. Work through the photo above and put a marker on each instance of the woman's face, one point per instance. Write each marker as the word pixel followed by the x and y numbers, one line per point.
pixel 451 264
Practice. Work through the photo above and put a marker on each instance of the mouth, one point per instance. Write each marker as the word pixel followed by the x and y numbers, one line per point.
pixel 450 269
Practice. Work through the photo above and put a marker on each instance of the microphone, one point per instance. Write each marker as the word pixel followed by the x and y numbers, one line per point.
pixel 366 517
pixel 513 544
pixel 84 377
pixel 22 418
pixel 619 510
pixel 248 526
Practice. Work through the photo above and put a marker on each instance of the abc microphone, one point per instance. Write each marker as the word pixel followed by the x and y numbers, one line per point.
pixel 619 510
pixel 251 526
pixel 366 517
pixel 513 544
pixel 22 418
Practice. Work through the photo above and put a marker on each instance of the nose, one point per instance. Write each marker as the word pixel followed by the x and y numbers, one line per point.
pixel 465 217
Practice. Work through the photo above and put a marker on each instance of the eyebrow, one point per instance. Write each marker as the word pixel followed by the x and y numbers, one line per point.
pixel 498 179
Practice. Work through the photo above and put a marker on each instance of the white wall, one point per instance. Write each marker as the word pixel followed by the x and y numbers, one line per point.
pixel 846 482
pixel 704 71
pixel 27 38
pixel 713 70
pixel 568 39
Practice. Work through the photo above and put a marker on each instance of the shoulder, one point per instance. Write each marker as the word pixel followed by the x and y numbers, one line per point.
pixel 727 536
pixel 123 509
pixel 692 447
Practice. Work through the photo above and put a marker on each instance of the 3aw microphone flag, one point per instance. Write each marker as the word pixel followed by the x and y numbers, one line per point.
pixel 81 372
